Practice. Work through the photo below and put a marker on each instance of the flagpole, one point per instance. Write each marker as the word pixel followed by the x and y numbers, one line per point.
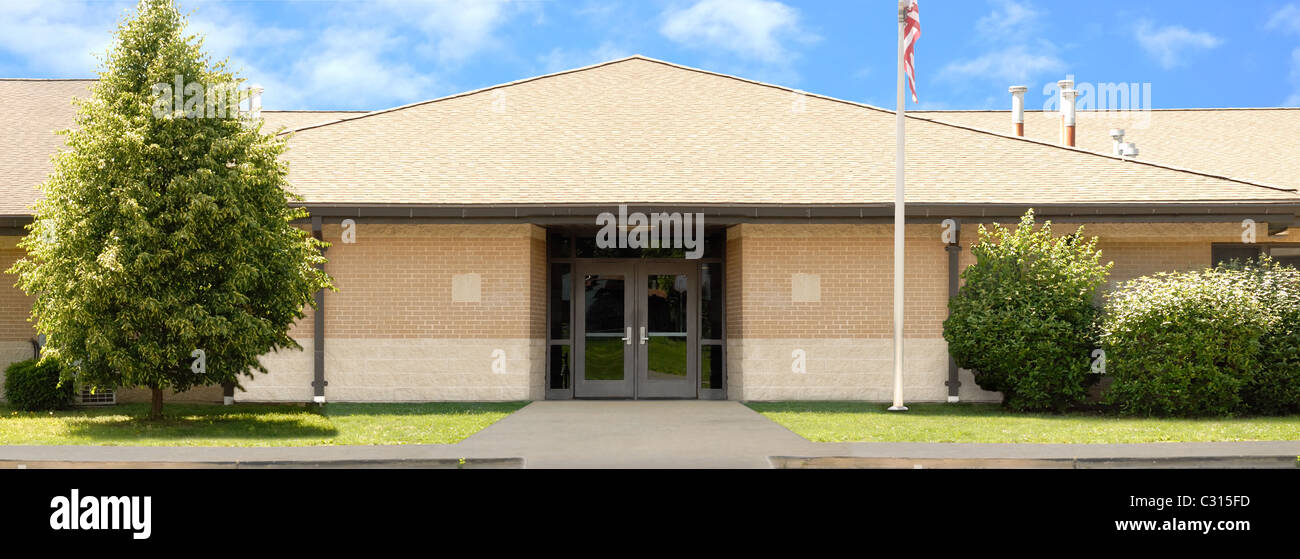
pixel 899 221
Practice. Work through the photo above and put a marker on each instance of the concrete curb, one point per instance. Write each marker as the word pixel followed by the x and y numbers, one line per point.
pixel 386 463
pixel 1173 462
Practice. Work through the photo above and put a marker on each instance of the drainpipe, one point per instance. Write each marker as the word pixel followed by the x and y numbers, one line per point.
pixel 954 272
pixel 318 329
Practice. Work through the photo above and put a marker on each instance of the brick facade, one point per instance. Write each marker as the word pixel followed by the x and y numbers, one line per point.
pixel 846 335
pixel 395 331
pixel 457 311
pixel 844 329
pixel 15 306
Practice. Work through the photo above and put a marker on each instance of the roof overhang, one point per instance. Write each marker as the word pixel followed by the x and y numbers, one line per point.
pixel 1279 215
pixel 722 214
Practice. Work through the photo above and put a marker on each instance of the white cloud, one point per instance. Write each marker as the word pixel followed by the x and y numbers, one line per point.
pixel 454 30
pixel 1008 18
pixel 560 59
pixel 1286 18
pixel 1169 45
pixel 1012 65
pixel 366 58
pixel 346 69
pixel 753 29
pixel 57 39
pixel 1012 49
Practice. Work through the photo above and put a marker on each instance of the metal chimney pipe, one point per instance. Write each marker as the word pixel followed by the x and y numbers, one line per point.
pixel 1062 86
pixel 1018 108
pixel 1068 115
pixel 255 101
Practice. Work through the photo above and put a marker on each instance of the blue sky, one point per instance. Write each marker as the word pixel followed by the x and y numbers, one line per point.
pixel 371 55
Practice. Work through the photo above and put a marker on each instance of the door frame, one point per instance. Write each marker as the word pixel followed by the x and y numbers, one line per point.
pixel 583 388
pixel 559 348
pixel 645 386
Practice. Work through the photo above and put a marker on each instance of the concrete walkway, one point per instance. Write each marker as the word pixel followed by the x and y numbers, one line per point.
pixel 662 434
pixel 645 434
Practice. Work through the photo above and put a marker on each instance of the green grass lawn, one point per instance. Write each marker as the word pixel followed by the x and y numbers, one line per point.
pixel 254 424
pixel 988 423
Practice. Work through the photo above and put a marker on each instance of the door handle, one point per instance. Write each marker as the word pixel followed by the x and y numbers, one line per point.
pixel 644 339
pixel 628 338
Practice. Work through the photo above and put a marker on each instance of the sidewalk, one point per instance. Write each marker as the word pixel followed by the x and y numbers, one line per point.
pixel 662 434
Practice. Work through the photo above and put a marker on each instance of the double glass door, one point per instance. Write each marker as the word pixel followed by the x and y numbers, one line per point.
pixel 636 330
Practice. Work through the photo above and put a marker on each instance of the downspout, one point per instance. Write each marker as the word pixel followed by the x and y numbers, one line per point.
pixel 954 273
pixel 318 329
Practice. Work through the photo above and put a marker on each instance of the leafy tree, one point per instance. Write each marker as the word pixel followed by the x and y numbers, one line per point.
pixel 1025 320
pixel 165 229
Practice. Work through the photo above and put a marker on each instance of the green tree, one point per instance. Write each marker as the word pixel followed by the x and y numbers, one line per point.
pixel 1025 320
pixel 165 229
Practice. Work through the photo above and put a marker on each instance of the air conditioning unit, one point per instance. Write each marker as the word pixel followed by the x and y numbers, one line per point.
pixel 100 397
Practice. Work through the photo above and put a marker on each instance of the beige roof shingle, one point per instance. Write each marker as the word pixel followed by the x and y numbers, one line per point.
pixel 35 109
pixel 643 131
pixel 638 130
pixel 1258 145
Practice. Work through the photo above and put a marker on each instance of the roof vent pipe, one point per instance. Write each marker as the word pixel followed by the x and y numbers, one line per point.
pixel 255 101
pixel 1018 108
pixel 1123 149
pixel 1068 99
pixel 1062 86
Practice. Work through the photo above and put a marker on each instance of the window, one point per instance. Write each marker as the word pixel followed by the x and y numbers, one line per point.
pixel 1224 253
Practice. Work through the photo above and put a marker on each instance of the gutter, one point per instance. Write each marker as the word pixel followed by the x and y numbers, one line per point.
pixel 1280 211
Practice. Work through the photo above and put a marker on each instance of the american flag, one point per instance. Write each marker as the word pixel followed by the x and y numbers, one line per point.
pixel 911 32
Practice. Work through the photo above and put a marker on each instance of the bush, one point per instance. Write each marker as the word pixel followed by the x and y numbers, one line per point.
pixel 1025 320
pixel 1274 386
pixel 33 385
pixel 1182 344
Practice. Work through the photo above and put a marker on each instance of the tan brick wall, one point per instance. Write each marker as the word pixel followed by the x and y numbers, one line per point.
pixel 855 267
pixel 203 394
pixel 394 331
pixel 844 330
pixel 15 306
pixel 846 333
pixel 1140 249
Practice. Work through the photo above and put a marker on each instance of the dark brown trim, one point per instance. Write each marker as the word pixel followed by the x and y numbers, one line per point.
pixel 954 284
pixel 318 329
pixel 730 214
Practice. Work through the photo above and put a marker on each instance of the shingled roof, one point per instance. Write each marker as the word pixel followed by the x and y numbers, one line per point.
pixel 639 130
pixel 36 109
pixel 643 131
pixel 1258 145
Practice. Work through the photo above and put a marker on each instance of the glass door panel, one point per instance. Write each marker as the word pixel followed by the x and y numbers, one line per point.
pixel 666 334
pixel 605 350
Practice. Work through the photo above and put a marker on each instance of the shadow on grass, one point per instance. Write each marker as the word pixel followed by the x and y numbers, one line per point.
pixel 948 410
pixel 982 410
pixel 429 408
pixel 936 410
pixel 201 422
